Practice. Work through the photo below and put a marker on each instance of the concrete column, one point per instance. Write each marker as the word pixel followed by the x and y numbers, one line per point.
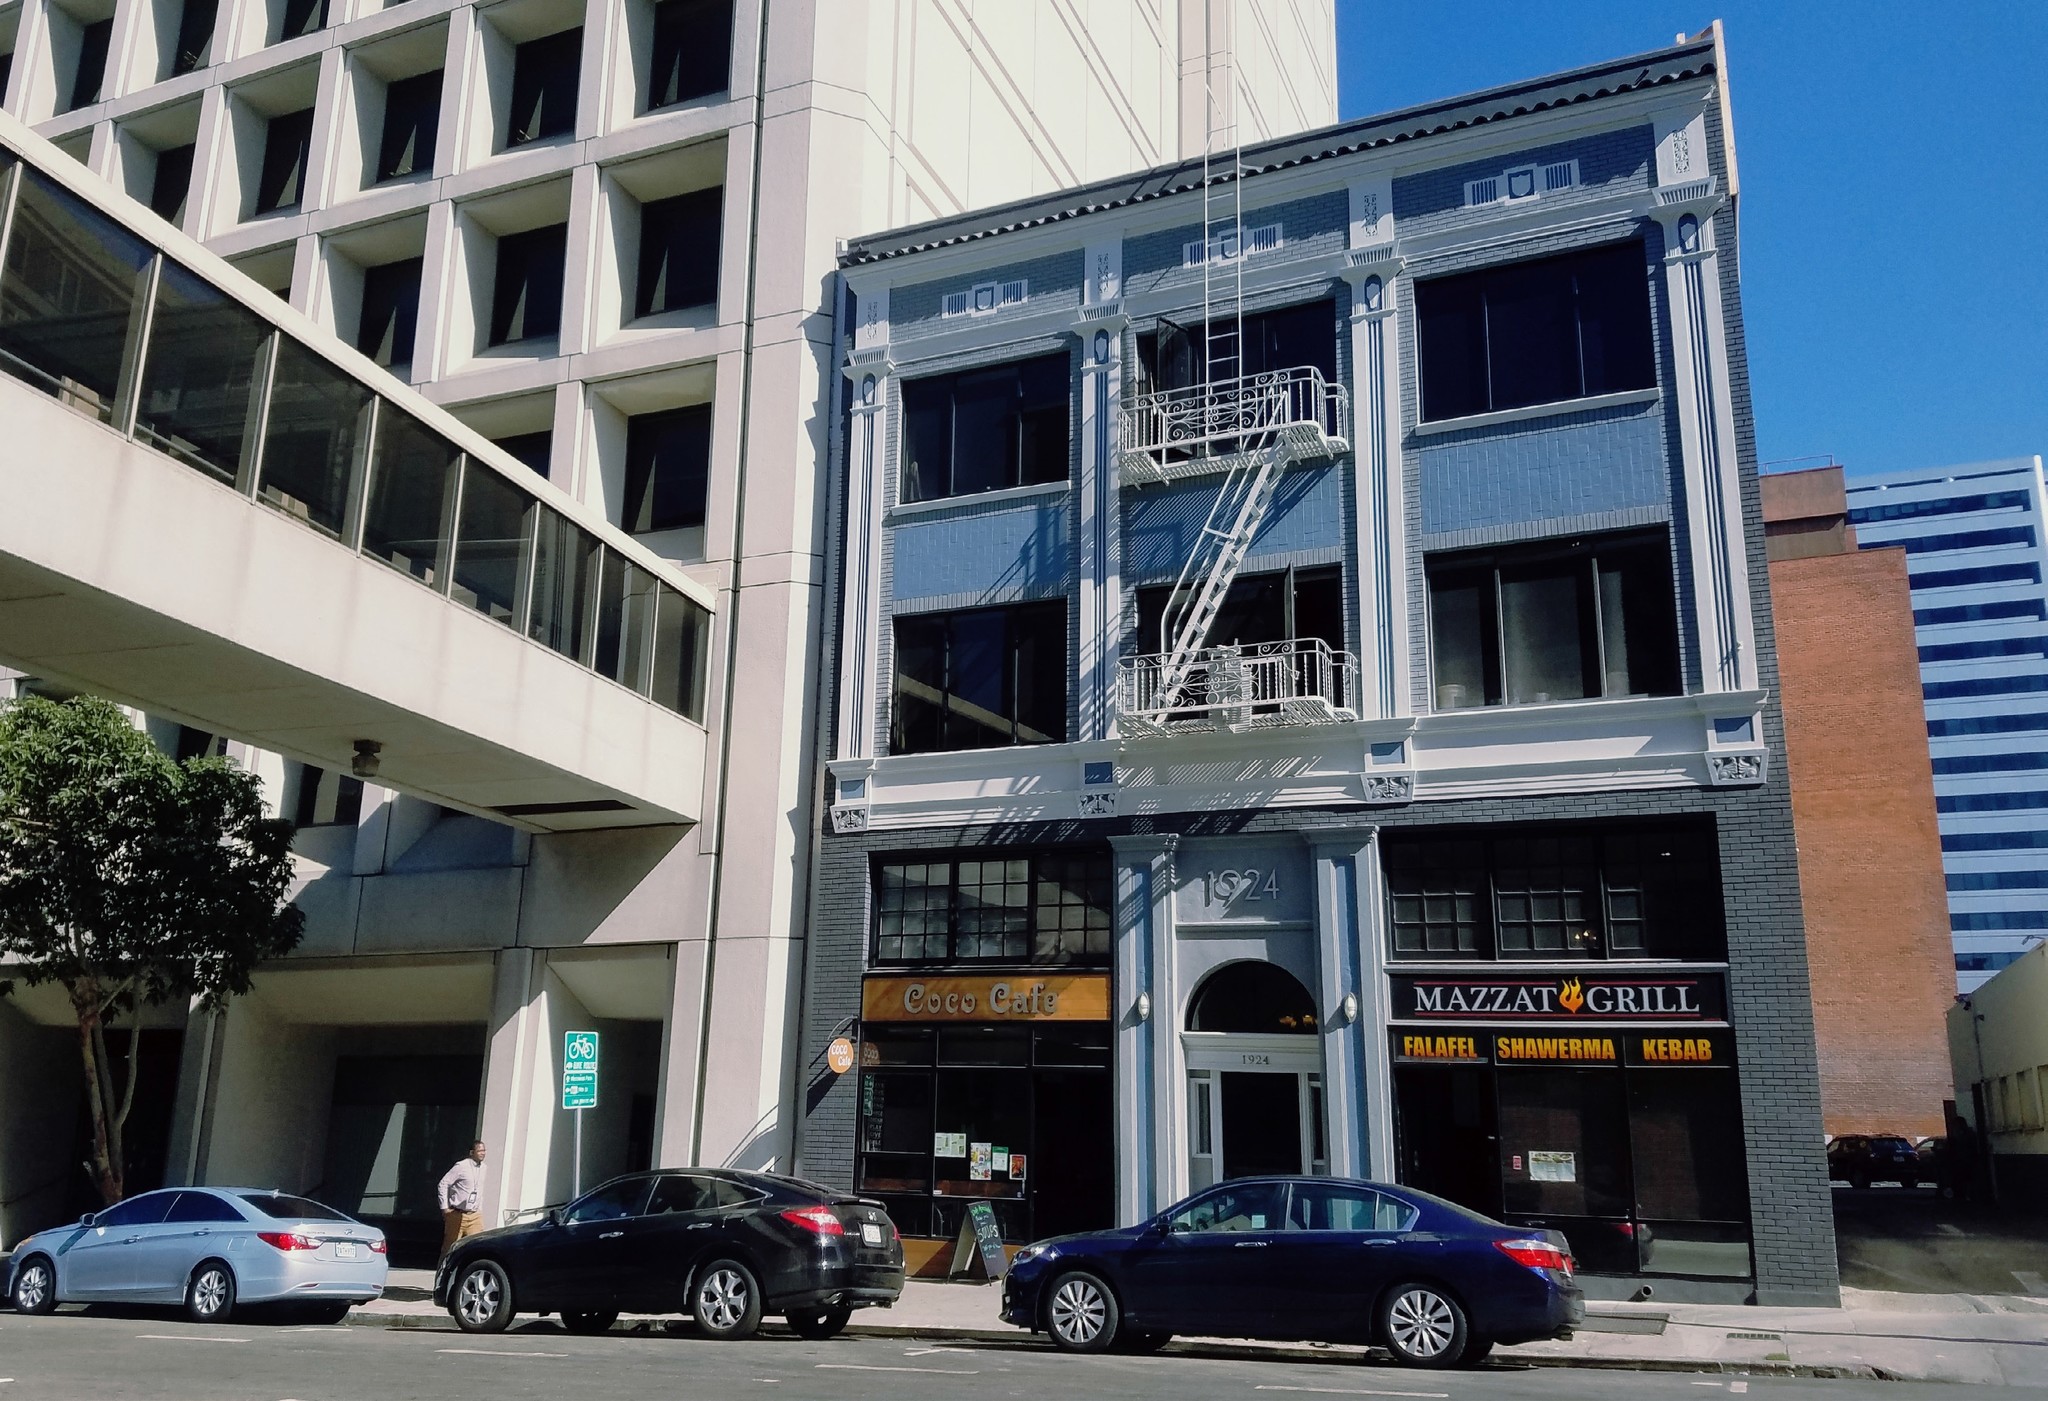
pixel 871 389
pixel 585 263
pixel 441 282
pixel 1375 264
pixel 675 1106
pixel 1102 339
pixel 1151 1167
pixel 1356 1088
pixel 505 1071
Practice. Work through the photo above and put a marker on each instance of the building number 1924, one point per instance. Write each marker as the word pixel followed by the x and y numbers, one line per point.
pixel 1229 887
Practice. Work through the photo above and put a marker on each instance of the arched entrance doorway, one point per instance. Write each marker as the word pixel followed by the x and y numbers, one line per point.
pixel 1255 1083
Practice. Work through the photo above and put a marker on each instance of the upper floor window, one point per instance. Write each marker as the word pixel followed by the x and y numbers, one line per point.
pixel 1555 621
pixel 412 118
pixel 692 51
pixel 1644 891
pixel 1174 356
pixel 286 142
pixel 1538 332
pixel 679 239
pixel 544 82
pixel 981 678
pixel 91 72
pixel 1279 607
pixel 526 296
pixel 195 35
pixel 172 183
pixel 300 17
pixel 984 430
pixel 668 469
pixel 1037 907
pixel 391 305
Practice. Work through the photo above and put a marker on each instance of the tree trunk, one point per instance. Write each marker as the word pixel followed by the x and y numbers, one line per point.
pixel 106 1163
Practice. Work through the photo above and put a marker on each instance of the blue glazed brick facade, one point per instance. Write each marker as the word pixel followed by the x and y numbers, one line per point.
pixel 1055 285
pixel 1610 163
pixel 1161 524
pixel 1156 262
pixel 983 558
pixel 1527 475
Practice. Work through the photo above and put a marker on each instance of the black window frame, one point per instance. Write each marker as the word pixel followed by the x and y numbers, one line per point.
pixel 1476 349
pixel 546 74
pixel 412 121
pixel 668 470
pixel 1618 567
pixel 287 149
pixel 528 262
pixel 963 928
pixel 683 62
pixel 680 242
pixel 1463 895
pixel 932 452
pixel 942 630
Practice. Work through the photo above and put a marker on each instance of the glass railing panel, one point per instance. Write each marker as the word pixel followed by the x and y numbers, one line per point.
pixel 611 612
pixel 490 543
pixel 73 283
pixel 409 508
pixel 636 628
pixel 202 376
pixel 565 561
pixel 682 637
pixel 313 438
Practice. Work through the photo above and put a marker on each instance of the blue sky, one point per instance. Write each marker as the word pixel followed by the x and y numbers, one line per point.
pixel 1894 162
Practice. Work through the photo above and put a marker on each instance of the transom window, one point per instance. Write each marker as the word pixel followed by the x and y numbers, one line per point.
pixel 1040 907
pixel 1548 893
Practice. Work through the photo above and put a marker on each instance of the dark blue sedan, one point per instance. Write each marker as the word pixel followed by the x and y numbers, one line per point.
pixel 1294 1258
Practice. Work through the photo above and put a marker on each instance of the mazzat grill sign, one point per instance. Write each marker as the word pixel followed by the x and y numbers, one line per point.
pixel 1630 997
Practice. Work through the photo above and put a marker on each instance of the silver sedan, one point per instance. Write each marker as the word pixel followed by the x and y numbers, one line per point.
pixel 207 1248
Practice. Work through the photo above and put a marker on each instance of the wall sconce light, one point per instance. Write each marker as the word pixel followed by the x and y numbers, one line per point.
pixel 1350 1008
pixel 1144 1007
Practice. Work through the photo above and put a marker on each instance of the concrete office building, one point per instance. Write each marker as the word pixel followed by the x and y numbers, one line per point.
pixel 1998 1039
pixel 1299 707
pixel 599 234
pixel 1976 552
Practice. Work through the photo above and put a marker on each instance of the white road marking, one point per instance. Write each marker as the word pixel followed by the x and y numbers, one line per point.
pixel 495 1352
pixel 1353 1391
pixel 2031 1282
pixel 860 1367
pixel 185 1338
pixel 928 1351
pixel 1738 1387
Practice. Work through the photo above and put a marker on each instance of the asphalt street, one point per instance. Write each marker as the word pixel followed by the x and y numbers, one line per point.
pixel 1916 1241
pixel 157 1357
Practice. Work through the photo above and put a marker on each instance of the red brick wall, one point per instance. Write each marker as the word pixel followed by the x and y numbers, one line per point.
pixel 1870 872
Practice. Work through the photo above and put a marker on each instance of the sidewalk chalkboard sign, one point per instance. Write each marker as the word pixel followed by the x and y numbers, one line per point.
pixel 980 1236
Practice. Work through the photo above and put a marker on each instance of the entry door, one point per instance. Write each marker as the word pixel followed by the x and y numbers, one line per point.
pixel 1261 1124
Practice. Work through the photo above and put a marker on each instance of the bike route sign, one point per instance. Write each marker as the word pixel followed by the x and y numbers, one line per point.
pixel 579 1070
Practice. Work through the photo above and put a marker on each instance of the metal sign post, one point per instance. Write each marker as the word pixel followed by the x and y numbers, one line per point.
pixel 579 1088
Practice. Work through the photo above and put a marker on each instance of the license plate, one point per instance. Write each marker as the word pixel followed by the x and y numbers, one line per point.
pixel 870 1233
pixel 344 1252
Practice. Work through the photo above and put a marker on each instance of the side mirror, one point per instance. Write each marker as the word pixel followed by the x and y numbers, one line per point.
pixel 554 1216
pixel 86 1220
pixel 1162 1226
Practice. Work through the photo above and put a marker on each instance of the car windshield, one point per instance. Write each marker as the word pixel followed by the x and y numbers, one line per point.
pixel 284 1207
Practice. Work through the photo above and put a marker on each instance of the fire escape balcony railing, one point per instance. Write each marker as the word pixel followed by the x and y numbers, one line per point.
pixel 1199 430
pixel 1262 686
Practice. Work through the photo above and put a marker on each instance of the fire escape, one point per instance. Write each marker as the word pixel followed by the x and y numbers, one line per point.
pixel 1247 430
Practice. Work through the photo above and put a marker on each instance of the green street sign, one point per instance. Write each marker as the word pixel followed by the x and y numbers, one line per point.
pixel 579 1070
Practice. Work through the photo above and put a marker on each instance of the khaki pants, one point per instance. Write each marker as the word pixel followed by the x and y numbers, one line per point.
pixel 457 1224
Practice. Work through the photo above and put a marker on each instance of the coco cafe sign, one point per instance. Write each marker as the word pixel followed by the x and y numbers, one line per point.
pixel 1675 997
pixel 1072 997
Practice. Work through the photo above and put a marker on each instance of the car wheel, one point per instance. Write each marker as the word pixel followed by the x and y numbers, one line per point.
pixel 1134 1341
pixel 1909 1182
pixel 1080 1313
pixel 327 1313
pixel 1860 1181
pixel 210 1293
pixel 1477 1350
pixel 726 1302
pixel 1422 1326
pixel 35 1287
pixel 483 1298
pixel 590 1323
pixel 817 1324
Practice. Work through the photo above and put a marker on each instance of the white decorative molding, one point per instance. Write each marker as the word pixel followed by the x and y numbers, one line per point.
pixel 1102 804
pixel 986 298
pixel 1103 279
pixel 1432 427
pixel 1389 788
pixel 847 820
pixel 1736 770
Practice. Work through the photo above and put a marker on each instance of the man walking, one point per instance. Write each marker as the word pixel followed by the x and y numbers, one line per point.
pixel 462 1198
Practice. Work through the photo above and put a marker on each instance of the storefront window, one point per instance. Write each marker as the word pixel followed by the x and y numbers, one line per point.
pixel 1549 893
pixel 1033 907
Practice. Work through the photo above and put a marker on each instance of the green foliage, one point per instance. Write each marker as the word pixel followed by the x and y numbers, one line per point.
pixel 131 879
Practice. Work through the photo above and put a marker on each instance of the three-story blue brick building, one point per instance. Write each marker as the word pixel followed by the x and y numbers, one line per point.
pixel 1302 697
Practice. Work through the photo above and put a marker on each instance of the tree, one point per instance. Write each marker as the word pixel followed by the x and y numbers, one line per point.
pixel 131 879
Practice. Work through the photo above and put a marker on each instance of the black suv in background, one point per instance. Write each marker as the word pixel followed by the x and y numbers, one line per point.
pixel 1861 1159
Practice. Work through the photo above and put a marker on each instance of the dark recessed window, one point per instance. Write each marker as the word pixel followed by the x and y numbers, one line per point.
pixel 983 430
pixel 1536 333
pixel 1282 607
pixel 172 183
pixel 544 87
pixel 981 678
pixel 195 35
pixel 1294 337
pixel 92 64
pixel 285 144
pixel 527 294
pixel 692 51
pixel 412 115
pixel 1647 891
pixel 679 252
pixel 1035 907
pixel 1558 621
pixel 301 17
pixel 391 308
pixel 668 469
pixel 532 449
pixel 6 71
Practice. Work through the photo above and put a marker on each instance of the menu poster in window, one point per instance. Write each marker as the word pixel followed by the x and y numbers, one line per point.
pixel 980 1162
pixel 949 1145
pixel 1016 1167
pixel 1553 1167
pixel 999 1160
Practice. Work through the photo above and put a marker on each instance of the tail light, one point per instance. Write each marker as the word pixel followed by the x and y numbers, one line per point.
pixel 288 1240
pixel 818 1220
pixel 1536 1254
pixel 379 1247
pixel 895 1234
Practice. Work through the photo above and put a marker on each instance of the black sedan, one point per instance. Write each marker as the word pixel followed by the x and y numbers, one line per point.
pixel 723 1247
pixel 1315 1258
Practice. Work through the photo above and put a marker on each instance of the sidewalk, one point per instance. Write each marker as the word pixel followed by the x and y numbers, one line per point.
pixel 1996 1339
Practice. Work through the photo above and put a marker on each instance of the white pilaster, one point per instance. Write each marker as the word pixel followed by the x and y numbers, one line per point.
pixel 1101 335
pixel 1151 1159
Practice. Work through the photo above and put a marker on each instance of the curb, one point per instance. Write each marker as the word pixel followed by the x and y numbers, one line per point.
pixel 1504 1361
